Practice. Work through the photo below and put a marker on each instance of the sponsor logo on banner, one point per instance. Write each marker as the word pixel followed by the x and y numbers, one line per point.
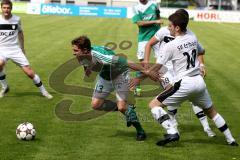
pixel 58 9
pixel 208 16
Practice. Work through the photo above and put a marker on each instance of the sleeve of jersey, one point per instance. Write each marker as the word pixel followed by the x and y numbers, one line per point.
pixel 166 56
pixel 136 17
pixel 159 35
pixel 19 25
pixel 158 8
pixel 104 59
pixel 200 49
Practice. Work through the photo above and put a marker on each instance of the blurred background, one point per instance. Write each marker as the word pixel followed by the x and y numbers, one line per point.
pixel 200 4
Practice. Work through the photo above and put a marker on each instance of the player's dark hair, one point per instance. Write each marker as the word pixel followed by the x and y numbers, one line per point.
pixel 184 12
pixel 83 42
pixel 180 20
pixel 7 2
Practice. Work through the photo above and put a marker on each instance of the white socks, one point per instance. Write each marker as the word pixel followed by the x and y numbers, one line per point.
pixel 172 111
pixel 38 83
pixel 222 126
pixel 3 80
pixel 163 118
pixel 201 116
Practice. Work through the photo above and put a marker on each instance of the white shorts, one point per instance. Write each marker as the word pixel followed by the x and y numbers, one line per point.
pixel 120 84
pixel 141 49
pixel 15 54
pixel 189 88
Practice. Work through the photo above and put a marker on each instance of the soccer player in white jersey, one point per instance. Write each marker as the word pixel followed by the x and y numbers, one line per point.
pixel 112 75
pixel 146 15
pixel 189 84
pixel 12 47
pixel 163 37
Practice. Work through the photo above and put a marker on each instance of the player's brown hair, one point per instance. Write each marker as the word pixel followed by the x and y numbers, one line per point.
pixel 83 42
pixel 7 2
pixel 184 12
pixel 180 20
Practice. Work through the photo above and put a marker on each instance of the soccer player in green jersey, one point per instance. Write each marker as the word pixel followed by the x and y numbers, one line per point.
pixel 113 75
pixel 147 17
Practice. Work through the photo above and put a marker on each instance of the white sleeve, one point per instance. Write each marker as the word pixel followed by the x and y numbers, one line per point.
pixel 19 25
pixel 200 48
pixel 166 55
pixel 159 35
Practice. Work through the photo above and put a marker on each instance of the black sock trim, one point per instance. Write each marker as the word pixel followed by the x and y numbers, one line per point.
pixel 173 112
pixel 223 128
pixel 3 77
pixel 39 84
pixel 168 92
pixel 163 118
pixel 200 114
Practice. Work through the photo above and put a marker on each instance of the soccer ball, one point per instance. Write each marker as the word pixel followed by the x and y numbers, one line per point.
pixel 25 131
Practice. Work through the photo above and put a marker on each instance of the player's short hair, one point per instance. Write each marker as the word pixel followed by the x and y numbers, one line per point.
pixel 180 20
pixel 83 42
pixel 184 12
pixel 6 2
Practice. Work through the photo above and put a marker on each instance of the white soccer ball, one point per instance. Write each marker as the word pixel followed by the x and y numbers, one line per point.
pixel 25 131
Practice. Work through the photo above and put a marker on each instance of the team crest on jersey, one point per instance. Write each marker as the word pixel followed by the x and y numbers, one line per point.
pixel 13 27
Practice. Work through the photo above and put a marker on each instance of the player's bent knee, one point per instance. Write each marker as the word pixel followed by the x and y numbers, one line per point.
pixel 28 71
pixel 96 104
pixel 210 112
pixel 122 109
pixel 154 103
pixel 2 63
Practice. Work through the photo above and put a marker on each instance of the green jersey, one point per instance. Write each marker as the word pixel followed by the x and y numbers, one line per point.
pixel 147 12
pixel 106 62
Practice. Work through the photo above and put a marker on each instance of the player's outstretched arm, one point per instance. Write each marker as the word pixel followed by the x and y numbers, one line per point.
pixel 147 53
pixel 149 23
pixel 153 72
pixel 202 66
pixel 201 53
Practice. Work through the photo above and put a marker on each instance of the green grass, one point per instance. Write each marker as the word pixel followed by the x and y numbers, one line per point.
pixel 47 42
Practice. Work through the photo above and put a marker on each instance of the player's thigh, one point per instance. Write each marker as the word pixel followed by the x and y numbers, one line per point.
pixel 2 63
pixel 201 96
pixel 202 100
pixel 141 49
pixel 175 95
pixel 121 86
pixel 18 57
pixel 102 88
pixel 3 58
pixel 155 102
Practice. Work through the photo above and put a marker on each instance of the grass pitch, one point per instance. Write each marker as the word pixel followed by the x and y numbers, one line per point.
pixel 47 43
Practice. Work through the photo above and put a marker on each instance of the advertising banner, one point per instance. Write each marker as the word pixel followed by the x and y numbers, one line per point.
pixel 74 10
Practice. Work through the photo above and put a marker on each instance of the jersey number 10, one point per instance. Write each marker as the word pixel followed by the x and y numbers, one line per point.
pixel 191 58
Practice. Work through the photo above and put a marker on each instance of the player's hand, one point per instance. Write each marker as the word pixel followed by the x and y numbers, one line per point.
pixel 203 70
pixel 146 65
pixel 88 72
pixel 152 75
pixel 133 83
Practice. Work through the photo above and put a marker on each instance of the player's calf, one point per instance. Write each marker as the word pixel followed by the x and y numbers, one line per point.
pixel 4 85
pixel 132 119
pixel 221 125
